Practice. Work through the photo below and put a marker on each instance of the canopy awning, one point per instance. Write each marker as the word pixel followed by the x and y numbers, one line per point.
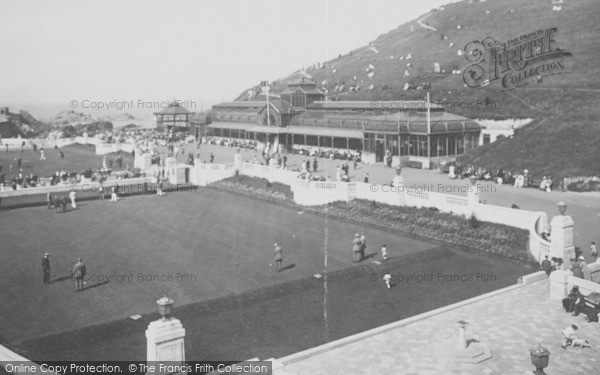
pixel 299 130
pixel 248 127
pixel 326 132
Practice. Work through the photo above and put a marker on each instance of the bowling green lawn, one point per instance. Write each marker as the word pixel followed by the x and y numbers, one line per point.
pixel 212 252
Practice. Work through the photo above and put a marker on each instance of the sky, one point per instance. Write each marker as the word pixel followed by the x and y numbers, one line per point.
pixel 86 54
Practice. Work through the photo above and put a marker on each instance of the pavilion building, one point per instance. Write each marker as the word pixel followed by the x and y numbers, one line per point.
pixel 410 131
pixel 173 118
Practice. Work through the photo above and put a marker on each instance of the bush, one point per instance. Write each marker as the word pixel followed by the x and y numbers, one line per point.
pixel 581 186
pixel 474 222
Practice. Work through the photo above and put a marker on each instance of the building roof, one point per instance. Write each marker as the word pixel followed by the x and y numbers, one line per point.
pixel 279 105
pixel 302 90
pixel 393 105
pixel 397 122
pixel 302 81
pixel 173 109
pixel 198 117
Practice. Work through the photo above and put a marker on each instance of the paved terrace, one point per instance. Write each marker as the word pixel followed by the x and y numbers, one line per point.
pixel 510 323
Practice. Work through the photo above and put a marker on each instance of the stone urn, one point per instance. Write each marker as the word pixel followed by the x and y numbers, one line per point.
pixel 165 306
pixel 540 357
pixel 562 208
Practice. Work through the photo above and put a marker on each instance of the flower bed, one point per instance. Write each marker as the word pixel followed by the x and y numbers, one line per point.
pixel 491 238
pixel 259 187
pixel 500 240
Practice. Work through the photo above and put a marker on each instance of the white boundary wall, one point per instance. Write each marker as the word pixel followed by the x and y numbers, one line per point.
pixel 101 146
pixel 67 188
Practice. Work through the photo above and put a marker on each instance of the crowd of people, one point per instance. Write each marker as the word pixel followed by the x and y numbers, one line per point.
pixel 327 153
pixel 516 179
pixel 230 142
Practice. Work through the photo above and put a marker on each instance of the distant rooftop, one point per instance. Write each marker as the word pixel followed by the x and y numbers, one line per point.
pixel 392 105
pixel 277 104
pixel 173 109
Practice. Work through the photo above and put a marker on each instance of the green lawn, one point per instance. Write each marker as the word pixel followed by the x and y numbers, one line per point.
pixel 225 242
pixel 77 158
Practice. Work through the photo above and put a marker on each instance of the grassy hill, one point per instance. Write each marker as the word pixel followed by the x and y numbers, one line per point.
pixel 564 106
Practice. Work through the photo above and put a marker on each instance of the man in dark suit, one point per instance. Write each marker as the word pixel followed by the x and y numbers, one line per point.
pixel 63 203
pixel 546 266
pixel 46 268
pixel 78 274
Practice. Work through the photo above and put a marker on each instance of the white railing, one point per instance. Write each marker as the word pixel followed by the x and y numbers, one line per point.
pixel 79 187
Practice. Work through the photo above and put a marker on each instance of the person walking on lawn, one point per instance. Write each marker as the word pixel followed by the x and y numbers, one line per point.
pixel 79 271
pixel 278 256
pixel 46 268
pixel 356 247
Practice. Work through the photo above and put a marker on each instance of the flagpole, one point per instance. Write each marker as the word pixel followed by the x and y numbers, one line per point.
pixel 428 115
pixel 268 109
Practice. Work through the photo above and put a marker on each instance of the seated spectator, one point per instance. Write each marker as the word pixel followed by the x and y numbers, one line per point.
pixel 519 181
pixel 508 178
pixel 487 175
pixel 500 176
pixel 451 172
pixel 576 269
pixel 527 181
pixel 546 184
pixel 570 301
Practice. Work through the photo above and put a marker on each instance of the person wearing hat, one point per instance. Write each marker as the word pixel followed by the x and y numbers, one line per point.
pixel 46 268
pixel 584 268
pixel 356 246
pixel 78 274
pixel 526 178
pixel 363 245
pixel 278 256
pixel 576 268
pixel 569 302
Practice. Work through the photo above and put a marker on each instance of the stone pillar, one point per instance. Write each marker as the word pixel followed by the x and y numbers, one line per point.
pixel 558 285
pixel 165 337
pixel 398 183
pixel 142 160
pixel 561 237
pixel 473 194
pixel 165 342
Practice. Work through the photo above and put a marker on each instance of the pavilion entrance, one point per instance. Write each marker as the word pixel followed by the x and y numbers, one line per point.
pixel 379 150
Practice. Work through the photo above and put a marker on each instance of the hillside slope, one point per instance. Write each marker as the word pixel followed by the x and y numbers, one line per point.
pixel 565 105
